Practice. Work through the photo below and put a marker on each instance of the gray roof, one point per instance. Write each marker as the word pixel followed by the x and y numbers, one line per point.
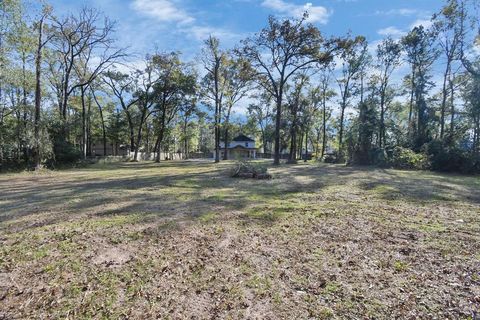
pixel 243 137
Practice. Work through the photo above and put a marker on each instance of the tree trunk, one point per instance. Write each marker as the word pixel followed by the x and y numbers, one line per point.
pixel 156 150
pixel 264 140
pixel 159 144
pixel 278 122
pixel 317 144
pixel 299 147
pixel 161 133
pixel 147 139
pixel 306 145
pixel 89 126
pixel 185 139
pixel 292 156
pixel 38 97
pixel 217 112
pixel 381 136
pixel 84 123
pixel 225 137
pixel 25 109
pixel 410 111
pixel 340 134
pixel 102 119
pixel 452 107
pixel 132 133
pixel 324 126
pixel 63 106
pixel 225 147
pixel 444 101
pixel 139 134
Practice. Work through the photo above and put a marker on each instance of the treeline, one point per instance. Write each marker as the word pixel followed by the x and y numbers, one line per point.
pixel 69 91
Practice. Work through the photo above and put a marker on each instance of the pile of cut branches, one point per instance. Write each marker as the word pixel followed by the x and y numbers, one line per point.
pixel 249 170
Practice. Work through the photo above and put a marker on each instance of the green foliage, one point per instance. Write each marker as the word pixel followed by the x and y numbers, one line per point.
pixel 64 152
pixel 365 128
pixel 448 157
pixel 403 158
pixel 379 157
pixel 400 266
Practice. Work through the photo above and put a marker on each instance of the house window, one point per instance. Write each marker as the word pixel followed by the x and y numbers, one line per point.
pixel 246 144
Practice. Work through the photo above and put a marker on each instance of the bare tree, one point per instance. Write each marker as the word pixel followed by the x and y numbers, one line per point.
pixel 88 68
pixel 123 86
pixel 78 40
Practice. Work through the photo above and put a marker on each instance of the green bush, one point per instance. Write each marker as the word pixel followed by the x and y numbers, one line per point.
pixel 449 157
pixel 403 158
pixel 379 157
pixel 65 152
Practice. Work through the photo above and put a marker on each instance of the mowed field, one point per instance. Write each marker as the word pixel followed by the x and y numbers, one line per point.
pixel 183 240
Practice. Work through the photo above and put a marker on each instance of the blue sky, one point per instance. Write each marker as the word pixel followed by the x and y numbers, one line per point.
pixel 170 25
pixel 181 25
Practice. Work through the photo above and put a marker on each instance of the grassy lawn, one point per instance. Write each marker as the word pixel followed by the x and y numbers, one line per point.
pixel 183 240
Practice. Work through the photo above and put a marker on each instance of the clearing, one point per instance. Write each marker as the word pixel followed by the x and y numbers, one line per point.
pixel 184 240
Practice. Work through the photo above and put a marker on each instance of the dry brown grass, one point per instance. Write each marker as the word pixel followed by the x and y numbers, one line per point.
pixel 184 240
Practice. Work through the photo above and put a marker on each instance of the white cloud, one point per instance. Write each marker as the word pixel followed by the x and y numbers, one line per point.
pixel 426 23
pixel 170 11
pixel 315 13
pixel 162 10
pixel 201 33
pixel 394 32
pixel 397 12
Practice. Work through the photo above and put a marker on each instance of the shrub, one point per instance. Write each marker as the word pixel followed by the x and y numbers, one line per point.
pixel 403 158
pixel 449 157
pixel 66 153
pixel 379 157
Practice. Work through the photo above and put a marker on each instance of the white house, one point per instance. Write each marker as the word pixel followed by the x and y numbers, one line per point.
pixel 240 147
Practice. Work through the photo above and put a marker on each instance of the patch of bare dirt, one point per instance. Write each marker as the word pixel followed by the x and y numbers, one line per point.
pixel 112 256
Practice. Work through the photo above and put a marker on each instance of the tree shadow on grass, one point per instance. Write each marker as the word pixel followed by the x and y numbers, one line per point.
pixel 421 186
pixel 189 190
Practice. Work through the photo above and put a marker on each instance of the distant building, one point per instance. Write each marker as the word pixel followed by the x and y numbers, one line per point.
pixel 241 147
pixel 112 149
